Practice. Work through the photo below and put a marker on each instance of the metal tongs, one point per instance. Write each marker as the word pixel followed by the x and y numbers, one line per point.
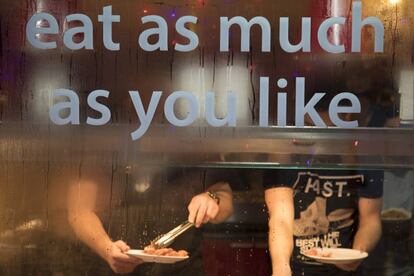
pixel 166 239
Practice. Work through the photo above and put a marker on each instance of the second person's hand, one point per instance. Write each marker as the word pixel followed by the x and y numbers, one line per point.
pixel 202 209
pixel 120 262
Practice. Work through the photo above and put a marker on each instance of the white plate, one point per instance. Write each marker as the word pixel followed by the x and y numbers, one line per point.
pixel 338 255
pixel 155 259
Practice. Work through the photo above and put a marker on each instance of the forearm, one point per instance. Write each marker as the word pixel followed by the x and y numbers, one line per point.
pixel 369 229
pixel 368 235
pixel 280 244
pixel 279 202
pixel 224 193
pixel 89 229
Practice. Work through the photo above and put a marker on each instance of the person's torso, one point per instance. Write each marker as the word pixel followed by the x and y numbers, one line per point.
pixel 326 210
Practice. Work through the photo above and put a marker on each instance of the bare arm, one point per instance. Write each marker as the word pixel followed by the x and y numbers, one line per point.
pixel 279 202
pixel 85 223
pixel 89 229
pixel 203 208
pixel 369 230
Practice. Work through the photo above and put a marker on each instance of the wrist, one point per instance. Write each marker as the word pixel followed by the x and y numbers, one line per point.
pixel 105 248
pixel 360 248
pixel 281 270
pixel 281 264
pixel 214 196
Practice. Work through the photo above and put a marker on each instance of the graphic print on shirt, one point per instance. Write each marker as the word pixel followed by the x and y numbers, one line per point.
pixel 325 209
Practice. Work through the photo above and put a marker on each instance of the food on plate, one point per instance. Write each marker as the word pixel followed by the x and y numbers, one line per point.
pixel 396 214
pixel 328 255
pixel 165 252
pixel 318 253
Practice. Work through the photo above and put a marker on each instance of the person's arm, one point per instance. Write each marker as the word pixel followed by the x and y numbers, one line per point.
pixel 279 202
pixel 85 223
pixel 89 229
pixel 225 195
pixel 369 229
pixel 203 208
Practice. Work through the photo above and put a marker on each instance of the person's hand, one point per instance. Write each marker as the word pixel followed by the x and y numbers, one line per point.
pixel 349 266
pixel 120 262
pixel 202 209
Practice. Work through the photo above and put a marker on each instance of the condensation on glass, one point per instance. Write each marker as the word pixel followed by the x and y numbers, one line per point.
pixel 149 181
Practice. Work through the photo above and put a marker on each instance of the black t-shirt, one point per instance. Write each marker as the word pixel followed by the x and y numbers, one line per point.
pixel 326 205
